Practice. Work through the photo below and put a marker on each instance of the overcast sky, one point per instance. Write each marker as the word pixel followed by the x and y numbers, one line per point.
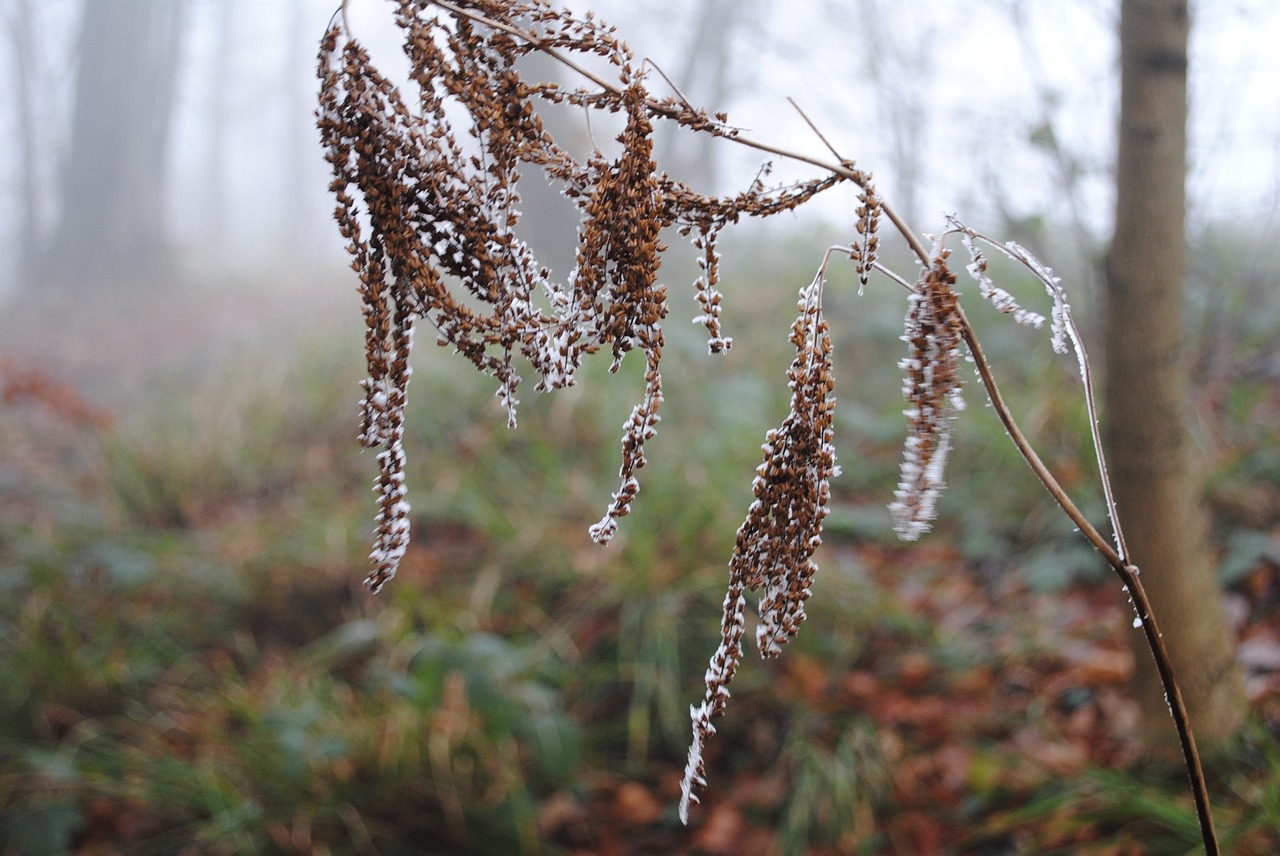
pixel 960 89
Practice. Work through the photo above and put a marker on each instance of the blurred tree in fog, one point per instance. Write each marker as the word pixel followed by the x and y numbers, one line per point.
pixel 709 75
pixel 110 222
pixel 1156 488
pixel 21 33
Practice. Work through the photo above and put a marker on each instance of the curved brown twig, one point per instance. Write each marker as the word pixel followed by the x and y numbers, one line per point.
pixel 1126 571
pixel 1128 575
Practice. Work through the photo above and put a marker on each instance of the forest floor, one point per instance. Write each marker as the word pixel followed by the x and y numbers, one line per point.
pixel 191 665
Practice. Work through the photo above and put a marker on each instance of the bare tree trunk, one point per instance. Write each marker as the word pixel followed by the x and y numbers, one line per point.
pixel 298 133
pixel 111 223
pixel 898 65
pixel 708 75
pixel 220 110
pixel 1156 488
pixel 23 40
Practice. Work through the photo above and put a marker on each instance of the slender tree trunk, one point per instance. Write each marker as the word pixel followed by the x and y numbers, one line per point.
pixel 708 75
pixel 298 133
pixel 111 223
pixel 22 40
pixel 220 110
pixel 1156 487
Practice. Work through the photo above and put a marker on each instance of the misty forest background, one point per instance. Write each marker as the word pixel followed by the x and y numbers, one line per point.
pixel 191 665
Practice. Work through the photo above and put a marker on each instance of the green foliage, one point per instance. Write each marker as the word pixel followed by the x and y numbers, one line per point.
pixel 835 787
pixel 259 430
pixel 190 662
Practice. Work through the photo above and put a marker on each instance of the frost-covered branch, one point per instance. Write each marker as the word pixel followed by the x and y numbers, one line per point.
pixel 428 201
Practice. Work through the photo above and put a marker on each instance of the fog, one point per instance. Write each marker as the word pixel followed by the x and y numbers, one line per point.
pixel 997 109
pixel 185 517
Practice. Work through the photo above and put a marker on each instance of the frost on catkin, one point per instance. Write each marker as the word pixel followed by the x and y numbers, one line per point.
pixel 865 248
pixel 977 268
pixel 775 544
pixel 931 385
pixel 428 202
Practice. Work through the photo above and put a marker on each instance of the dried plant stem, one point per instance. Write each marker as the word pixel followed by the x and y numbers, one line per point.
pixel 1128 575
pixel 342 10
pixel 816 130
pixel 532 39
pixel 661 109
pixel 640 310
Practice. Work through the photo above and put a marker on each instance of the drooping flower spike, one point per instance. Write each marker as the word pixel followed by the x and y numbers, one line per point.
pixel 430 216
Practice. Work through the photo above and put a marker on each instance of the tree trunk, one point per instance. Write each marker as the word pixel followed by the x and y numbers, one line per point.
pixel 111 222
pixel 899 64
pixel 218 203
pixel 1156 488
pixel 708 76
pixel 22 40
pixel 299 135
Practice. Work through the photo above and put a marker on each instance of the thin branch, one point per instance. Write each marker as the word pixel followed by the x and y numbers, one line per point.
pixel 826 257
pixel 666 111
pixel 1128 575
pixel 893 275
pixel 815 129
pixel 1127 572
pixel 1029 454
pixel 532 39
pixel 676 89
pixel 1177 706
pixel 1020 255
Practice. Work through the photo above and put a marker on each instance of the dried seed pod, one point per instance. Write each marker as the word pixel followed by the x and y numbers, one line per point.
pixel 932 386
pixel 428 202
pixel 708 295
pixel 865 247
pixel 977 268
pixel 776 543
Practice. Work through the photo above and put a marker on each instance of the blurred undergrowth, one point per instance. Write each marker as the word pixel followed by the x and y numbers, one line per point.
pixel 192 666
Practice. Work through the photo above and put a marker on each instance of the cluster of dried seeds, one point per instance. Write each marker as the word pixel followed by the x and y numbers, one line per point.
pixel 775 544
pixel 427 200
pixel 866 248
pixel 709 296
pixel 428 203
pixel 932 384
